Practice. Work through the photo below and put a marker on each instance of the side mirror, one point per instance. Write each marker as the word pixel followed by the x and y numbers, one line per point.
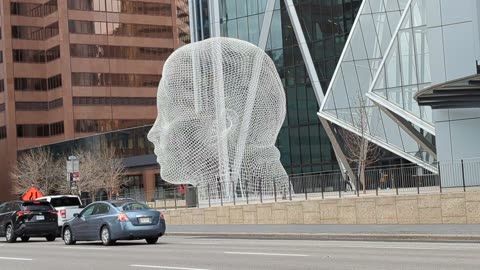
pixel 76 215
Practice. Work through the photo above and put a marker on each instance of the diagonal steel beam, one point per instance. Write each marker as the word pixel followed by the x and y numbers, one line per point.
pixel 267 22
pixel 214 9
pixel 410 130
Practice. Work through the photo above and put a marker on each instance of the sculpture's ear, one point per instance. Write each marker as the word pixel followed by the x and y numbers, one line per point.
pixel 232 119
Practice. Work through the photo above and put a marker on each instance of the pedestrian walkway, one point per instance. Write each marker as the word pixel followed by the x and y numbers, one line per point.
pixel 337 229
pixel 434 232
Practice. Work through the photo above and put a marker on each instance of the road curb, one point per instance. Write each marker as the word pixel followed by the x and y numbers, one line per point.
pixel 329 236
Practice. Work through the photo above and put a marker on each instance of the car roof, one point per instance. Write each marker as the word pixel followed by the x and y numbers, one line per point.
pixel 26 202
pixel 58 196
pixel 119 202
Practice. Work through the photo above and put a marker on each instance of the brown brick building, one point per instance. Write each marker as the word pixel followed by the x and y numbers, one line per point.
pixel 74 68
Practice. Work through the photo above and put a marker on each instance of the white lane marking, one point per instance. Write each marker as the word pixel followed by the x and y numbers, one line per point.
pixel 265 254
pixel 15 259
pixel 198 243
pixel 164 267
pixel 85 248
pixel 410 248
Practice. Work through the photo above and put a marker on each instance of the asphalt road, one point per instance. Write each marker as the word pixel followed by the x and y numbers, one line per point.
pixel 193 253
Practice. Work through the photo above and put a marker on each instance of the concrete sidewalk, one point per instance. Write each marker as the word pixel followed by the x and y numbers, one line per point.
pixel 440 232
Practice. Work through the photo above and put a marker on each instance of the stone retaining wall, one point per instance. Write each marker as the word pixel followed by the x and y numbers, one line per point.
pixel 446 208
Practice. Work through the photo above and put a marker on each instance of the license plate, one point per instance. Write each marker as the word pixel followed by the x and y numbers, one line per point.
pixel 40 217
pixel 144 220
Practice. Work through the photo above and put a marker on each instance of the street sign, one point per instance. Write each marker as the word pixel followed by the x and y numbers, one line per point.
pixel 76 176
pixel 32 194
pixel 73 169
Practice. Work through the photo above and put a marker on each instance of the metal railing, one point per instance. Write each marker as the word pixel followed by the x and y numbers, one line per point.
pixel 460 175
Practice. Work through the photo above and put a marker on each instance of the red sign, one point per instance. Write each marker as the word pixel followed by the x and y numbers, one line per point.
pixel 32 194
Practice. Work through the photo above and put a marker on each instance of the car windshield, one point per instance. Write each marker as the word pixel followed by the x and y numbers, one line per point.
pixel 132 206
pixel 65 201
pixel 37 207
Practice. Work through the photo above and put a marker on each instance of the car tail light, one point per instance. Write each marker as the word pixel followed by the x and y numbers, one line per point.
pixel 122 217
pixel 162 216
pixel 63 213
pixel 21 213
pixel 53 211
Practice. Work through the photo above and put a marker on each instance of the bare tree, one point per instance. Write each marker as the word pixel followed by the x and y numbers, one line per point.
pixel 113 170
pixel 38 168
pixel 359 150
pixel 100 169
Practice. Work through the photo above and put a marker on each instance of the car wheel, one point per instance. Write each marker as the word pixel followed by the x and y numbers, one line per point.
pixel 106 237
pixel 25 238
pixel 68 237
pixel 152 240
pixel 51 238
pixel 10 234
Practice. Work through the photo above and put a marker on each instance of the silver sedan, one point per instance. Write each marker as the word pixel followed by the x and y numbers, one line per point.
pixel 110 221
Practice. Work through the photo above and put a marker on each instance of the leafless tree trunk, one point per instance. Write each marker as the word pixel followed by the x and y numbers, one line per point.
pixel 100 168
pixel 38 168
pixel 359 150
pixel 113 170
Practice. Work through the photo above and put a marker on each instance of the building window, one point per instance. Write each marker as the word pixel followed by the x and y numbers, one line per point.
pixel 31 106
pixel 54 82
pixel 122 6
pixel 34 33
pixel 36 56
pixel 40 130
pixel 102 101
pixel 1 57
pixel 38 84
pixel 114 79
pixel 32 9
pixel 2 86
pixel 2 107
pixel 134 181
pixel 3 132
pixel 39 106
pixel 119 52
pixel 104 125
pixel 120 29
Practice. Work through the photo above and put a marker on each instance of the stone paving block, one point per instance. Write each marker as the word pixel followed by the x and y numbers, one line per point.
pixel 453 207
pixel 473 212
pixel 386 214
pixel 407 211
pixel 430 215
pixel 429 201
pixel 365 212
pixel 347 215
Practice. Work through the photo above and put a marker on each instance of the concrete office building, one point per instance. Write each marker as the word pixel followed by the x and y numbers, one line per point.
pixel 74 68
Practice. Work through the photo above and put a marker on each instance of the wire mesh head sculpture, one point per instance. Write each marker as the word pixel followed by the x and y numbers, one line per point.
pixel 221 105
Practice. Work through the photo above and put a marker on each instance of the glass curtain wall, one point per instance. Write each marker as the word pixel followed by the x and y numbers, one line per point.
pixel 302 141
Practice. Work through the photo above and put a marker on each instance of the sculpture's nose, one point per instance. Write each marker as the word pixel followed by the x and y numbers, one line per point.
pixel 153 134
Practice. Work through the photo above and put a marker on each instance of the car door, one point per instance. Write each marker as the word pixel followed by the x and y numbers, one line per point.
pixel 7 215
pixel 3 208
pixel 79 224
pixel 95 221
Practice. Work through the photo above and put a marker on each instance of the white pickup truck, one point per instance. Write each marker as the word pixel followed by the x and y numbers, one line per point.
pixel 66 206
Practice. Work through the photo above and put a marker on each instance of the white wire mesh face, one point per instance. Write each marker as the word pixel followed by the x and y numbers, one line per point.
pixel 221 105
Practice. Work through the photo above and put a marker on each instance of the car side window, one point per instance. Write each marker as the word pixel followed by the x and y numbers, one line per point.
pixel 2 208
pixel 16 207
pixel 101 209
pixel 88 211
pixel 8 207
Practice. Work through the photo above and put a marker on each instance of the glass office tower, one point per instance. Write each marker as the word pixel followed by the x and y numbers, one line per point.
pixel 302 141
